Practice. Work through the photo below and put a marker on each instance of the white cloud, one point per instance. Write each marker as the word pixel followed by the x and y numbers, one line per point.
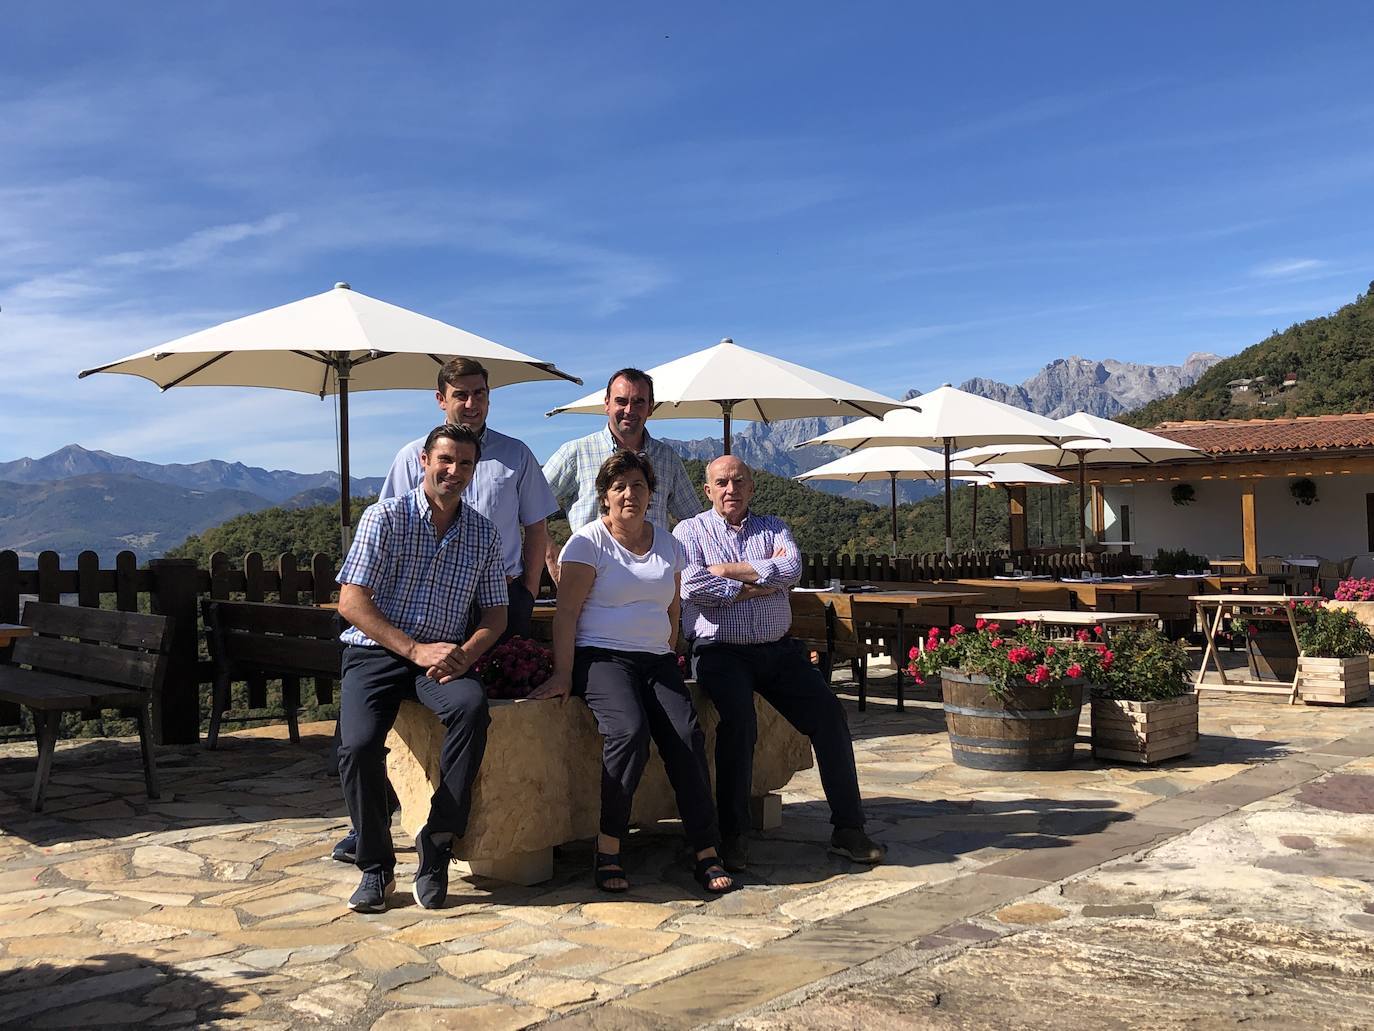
pixel 1289 268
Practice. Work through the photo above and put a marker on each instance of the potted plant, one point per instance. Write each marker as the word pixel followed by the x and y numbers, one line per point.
pixel 515 668
pixel 1012 695
pixel 1270 651
pixel 1144 709
pixel 1356 593
pixel 1334 667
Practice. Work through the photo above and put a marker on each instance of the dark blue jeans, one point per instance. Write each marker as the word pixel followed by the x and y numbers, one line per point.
pixel 375 682
pixel 783 674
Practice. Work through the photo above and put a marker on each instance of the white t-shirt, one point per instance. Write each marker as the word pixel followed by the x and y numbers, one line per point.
pixel 627 608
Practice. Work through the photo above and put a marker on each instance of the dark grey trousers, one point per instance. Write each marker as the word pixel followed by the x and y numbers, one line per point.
pixel 636 696
pixel 783 674
pixel 375 682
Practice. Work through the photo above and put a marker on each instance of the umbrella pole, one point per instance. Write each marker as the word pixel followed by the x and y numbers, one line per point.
pixel 974 487
pixel 345 516
pixel 726 409
pixel 1082 508
pixel 949 522
pixel 894 514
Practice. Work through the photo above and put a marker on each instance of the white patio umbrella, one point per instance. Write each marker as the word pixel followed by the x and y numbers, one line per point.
pixel 892 464
pixel 1105 443
pixel 951 419
pixel 732 382
pixel 1009 474
pixel 332 343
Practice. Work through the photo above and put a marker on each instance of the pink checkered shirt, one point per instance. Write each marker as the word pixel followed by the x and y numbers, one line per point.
pixel 711 610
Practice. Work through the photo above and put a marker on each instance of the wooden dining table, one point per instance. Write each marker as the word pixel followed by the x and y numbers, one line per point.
pixel 1075 618
pixel 898 602
pixel 1224 605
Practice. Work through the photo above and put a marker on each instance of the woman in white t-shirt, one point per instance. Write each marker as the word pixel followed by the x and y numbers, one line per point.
pixel 613 640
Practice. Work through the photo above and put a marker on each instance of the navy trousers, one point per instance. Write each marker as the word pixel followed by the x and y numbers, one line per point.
pixel 375 682
pixel 783 674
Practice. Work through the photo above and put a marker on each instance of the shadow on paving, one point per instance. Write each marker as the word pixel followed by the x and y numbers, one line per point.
pixel 120 989
pixel 96 789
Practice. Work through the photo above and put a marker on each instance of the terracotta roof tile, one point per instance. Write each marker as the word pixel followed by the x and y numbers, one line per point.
pixel 1269 436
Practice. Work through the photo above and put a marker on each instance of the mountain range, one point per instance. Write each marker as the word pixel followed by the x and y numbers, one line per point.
pixel 76 499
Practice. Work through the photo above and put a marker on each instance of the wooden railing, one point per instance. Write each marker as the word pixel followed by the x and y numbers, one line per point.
pixel 820 568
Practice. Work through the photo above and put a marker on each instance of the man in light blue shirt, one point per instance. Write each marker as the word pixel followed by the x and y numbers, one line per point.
pixel 571 472
pixel 508 488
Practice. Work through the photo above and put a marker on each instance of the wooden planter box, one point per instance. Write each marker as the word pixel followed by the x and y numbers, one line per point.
pixel 1333 681
pixel 1144 732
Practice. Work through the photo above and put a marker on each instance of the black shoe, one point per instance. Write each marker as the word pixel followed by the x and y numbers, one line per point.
pixel 431 879
pixel 372 893
pixel 853 843
pixel 734 852
pixel 346 851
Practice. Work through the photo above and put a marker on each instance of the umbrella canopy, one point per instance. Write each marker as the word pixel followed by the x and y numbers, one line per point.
pixel 712 384
pixel 1106 443
pixel 891 464
pixel 330 343
pixel 951 419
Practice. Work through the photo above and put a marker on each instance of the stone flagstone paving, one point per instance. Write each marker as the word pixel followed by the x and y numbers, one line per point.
pixel 219 905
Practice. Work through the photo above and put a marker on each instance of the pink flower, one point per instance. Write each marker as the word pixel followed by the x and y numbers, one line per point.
pixel 996 642
pixel 1097 630
pixel 1074 671
pixel 1038 675
pixel 913 653
pixel 1107 659
pixel 1082 635
pixel 994 627
pixel 980 623
pixel 1049 650
pixel 1020 654
pixel 956 629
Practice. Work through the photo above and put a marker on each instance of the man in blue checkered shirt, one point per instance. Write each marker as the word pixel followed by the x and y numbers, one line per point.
pixel 736 612
pixel 407 587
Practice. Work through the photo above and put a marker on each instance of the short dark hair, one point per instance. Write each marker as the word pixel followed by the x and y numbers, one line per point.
pixel 634 376
pixel 457 434
pixel 620 463
pixel 457 368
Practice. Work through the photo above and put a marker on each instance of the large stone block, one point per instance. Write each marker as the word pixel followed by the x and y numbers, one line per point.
pixel 540 782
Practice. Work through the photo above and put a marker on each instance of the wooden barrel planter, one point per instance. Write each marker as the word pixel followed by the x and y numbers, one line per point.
pixel 1024 732
pixel 1272 654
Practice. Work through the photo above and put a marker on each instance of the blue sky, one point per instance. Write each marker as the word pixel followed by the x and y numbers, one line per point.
pixel 894 193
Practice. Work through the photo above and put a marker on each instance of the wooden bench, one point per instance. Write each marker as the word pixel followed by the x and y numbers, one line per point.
pixel 83 660
pixel 257 642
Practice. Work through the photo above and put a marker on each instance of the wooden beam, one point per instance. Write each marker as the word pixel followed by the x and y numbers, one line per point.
pixel 1291 467
pixel 1016 504
pixel 1248 528
pixel 1098 506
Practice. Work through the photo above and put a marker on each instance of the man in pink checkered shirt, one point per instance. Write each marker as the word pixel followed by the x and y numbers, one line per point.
pixel 736 612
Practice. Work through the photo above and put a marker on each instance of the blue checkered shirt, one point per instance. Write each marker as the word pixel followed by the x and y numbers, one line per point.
pixel 424 586
pixel 572 470
pixel 711 610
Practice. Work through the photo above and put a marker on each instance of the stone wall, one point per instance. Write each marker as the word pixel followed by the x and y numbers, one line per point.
pixel 540 782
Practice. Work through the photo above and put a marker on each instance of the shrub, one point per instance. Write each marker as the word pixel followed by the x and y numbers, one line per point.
pixel 1355 588
pixel 1168 563
pixel 1148 668
pixel 1334 633
pixel 1010 656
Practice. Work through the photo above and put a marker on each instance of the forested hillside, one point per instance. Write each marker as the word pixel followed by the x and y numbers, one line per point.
pixel 1332 357
pixel 821 522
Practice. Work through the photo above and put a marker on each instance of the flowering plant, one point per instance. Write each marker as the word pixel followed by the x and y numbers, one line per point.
pixel 1334 633
pixel 1355 588
pixel 1013 654
pixel 515 668
pixel 1148 667
pixel 1302 610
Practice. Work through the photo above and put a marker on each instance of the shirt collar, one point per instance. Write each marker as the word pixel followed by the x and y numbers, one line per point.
pixel 426 510
pixel 743 523
pixel 617 446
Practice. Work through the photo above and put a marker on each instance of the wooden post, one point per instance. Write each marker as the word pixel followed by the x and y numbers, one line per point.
pixel 176 715
pixel 1248 530
pixel 1016 502
pixel 1099 507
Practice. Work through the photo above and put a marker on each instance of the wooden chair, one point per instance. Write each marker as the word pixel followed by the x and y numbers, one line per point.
pixel 257 640
pixel 849 644
pixel 86 659
pixel 813 624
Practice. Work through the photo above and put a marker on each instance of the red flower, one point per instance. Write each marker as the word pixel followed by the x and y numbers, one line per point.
pixel 1082 635
pixel 956 629
pixel 913 653
pixel 1074 671
pixel 980 623
pixel 1038 675
pixel 996 642
pixel 1049 650
pixel 1097 630
pixel 1107 659
pixel 994 627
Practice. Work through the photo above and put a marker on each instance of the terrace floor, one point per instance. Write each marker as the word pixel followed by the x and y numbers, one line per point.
pixel 1234 884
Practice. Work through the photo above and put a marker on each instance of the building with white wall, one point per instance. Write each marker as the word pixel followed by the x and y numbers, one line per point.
pixel 1237 496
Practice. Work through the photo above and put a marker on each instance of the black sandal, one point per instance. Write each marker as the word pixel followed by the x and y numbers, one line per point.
pixel 607 867
pixel 710 868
